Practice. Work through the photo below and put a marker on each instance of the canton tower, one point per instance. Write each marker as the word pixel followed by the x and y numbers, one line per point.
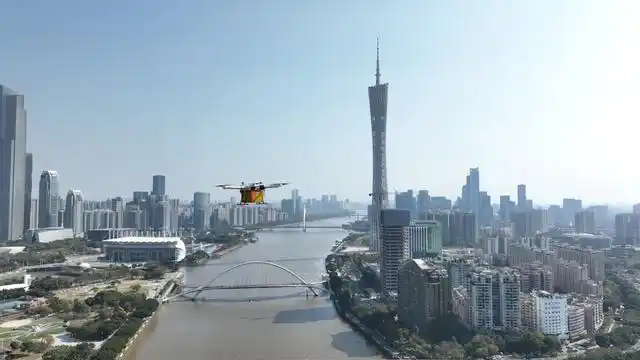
pixel 379 195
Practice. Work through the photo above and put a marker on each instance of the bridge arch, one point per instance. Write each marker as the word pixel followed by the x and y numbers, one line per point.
pixel 200 289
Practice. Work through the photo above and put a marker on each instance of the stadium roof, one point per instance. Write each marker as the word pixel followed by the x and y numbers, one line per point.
pixel 144 240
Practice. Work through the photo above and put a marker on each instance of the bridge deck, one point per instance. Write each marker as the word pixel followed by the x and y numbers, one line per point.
pixel 239 287
pixel 250 286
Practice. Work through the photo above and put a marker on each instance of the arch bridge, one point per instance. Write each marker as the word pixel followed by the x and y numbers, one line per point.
pixel 194 292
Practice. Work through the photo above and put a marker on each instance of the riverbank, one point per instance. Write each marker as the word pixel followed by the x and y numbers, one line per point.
pixel 369 335
pixel 168 288
pixel 135 336
pixel 171 284
pixel 223 252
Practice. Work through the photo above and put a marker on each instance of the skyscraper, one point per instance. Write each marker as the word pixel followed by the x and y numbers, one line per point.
pixel 13 146
pixel 473 189
pixel 158 186
pixel 297 204
pixel 73 213
pixel 48 199
pixel 394 233
pixel 28 189
pixel 378 110
pixel 522 197
pixel 201 211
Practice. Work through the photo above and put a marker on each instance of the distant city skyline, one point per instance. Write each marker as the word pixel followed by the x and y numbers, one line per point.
pixel 283 194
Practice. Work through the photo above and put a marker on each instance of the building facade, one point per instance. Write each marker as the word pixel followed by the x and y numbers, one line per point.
pixel 201 211
pixel 379 196
pixel 28 189
pixel 425 239
pixel 424 293
pixel 494 299
pixel 158 185
pixel 547 313
pixel 48 199
pixel 395 250
pixel 137 250
pixel 13 146
pixel 73 213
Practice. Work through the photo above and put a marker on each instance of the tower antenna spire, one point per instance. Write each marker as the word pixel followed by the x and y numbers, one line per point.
pixel 377 61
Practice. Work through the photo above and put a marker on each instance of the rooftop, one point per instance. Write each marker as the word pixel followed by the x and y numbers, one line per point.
pixel 143 240
pixel 546 294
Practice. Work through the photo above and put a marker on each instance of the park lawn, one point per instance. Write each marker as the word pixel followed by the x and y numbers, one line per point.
pixel 49 326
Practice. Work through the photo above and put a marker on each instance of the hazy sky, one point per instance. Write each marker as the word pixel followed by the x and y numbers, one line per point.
pixel 541 92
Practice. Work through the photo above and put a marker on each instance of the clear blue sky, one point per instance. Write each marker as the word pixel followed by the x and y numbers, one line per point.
pixel 539 92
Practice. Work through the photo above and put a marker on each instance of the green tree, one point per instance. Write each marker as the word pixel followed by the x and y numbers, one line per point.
pixel 28 346
pixel 80 307
pixel 58 305
pixel 62 352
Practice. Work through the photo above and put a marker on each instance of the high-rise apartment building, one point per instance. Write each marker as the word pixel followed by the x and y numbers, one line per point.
pixel 425 239
pixel 28 189
pixel 536 276
pixel 547 313
pixel 529 222
pixel 424 293
pixel 297 206
pixel 407 201
pixel 440 203
pixel 473 190
pixel 423 202
pixel 73 212
pixel 33 215
pixel 379 196
pixel 134 217
pixel 201 211
pixel 117 205
pixel 48 199
pixel 506 208
pixel 162 216
pixel 458 228
pixel 13 147
pixel 569 209
pixel 485 215
pixel 585 222
pixel 627 229
pixel 522 197
pixel 594 260
pixel 140 196
pixel 158 185
pixel 601 213
pixel 394 235
pixel 493 299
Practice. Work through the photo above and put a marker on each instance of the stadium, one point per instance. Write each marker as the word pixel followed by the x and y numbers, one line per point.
pixel 144 249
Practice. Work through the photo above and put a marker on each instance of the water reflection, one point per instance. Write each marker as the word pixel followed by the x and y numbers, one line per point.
pixel 301 316
pixel 242 299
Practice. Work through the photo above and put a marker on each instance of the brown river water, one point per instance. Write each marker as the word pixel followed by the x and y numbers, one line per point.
pixel 276 324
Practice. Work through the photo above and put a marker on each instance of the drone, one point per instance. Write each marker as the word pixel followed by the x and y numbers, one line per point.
pixel 252 193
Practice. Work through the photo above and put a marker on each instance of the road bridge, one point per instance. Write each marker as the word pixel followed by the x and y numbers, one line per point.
pixel 264 286
pixel 298 226
pixel 193 292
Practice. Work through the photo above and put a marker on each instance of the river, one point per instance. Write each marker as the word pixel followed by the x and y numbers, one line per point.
pixel 277 324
